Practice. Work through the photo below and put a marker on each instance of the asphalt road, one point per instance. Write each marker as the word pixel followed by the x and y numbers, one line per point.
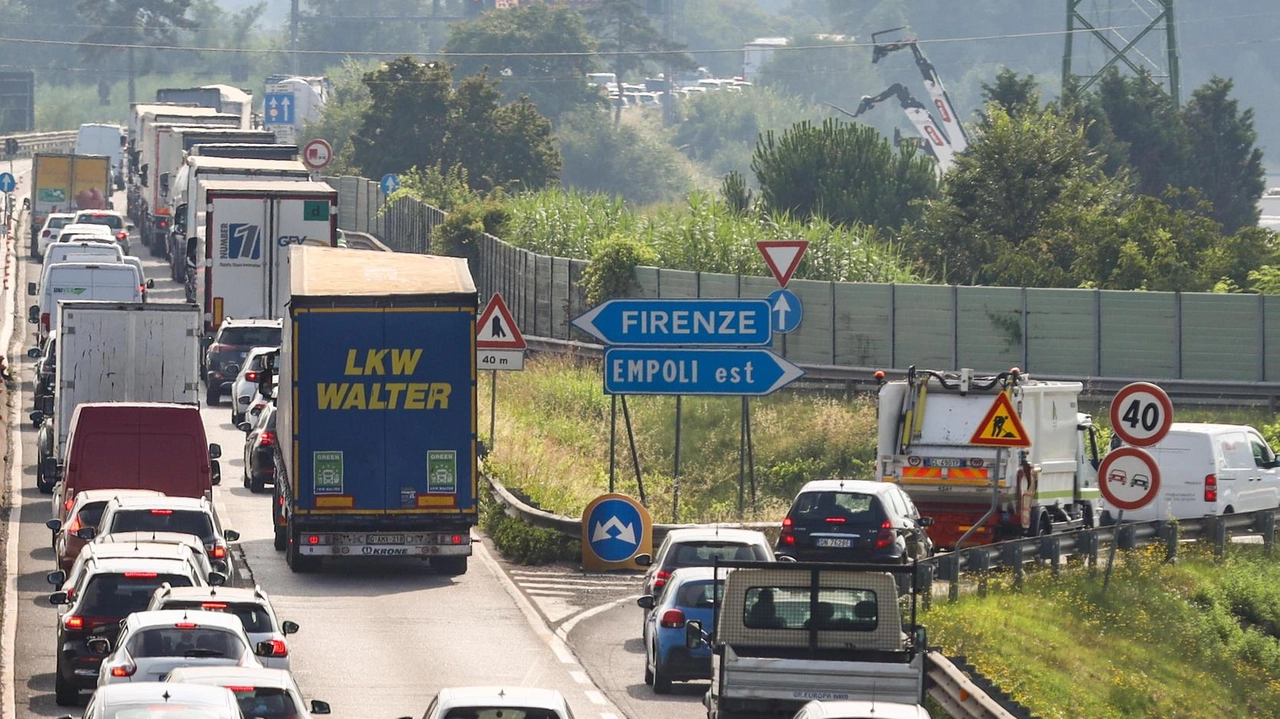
pixel 378 639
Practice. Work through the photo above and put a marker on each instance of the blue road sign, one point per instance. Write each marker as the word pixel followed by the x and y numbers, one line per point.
pixel 7 182
pixel 787 310
pixel 693 323
pixel 277 108
pixel 390 183
pixel 615 529
pixel 643 370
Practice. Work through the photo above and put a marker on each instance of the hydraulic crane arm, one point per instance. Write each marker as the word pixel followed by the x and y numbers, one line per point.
pixel 934 139
pixel 932 82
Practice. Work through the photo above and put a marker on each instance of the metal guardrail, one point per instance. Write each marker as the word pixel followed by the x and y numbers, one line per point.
pixel 363 241
pixel 33 142
pixel 957 693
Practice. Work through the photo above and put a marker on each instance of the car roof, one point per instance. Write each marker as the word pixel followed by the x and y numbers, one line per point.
pixel 164 502
pixel 156 565
pixel 695 574
pixel 129 539
pixel 113 695
pixel 59 214
pixel 860 709
pixel 222 594
pixel 105 495
pixel 84 227
pixel 230 321
pixel 250 676
pixel 165 617
pixel 724 534
pixel 113 213
pixel 864 486
pixel 501 696
pixel 141 550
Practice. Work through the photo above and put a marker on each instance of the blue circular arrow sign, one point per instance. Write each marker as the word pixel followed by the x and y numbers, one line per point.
pixel 390 183
pixel 785 311
pixel 7 182
pixel 614 529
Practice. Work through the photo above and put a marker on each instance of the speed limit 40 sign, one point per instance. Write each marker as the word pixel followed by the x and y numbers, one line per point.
pixel 1141 414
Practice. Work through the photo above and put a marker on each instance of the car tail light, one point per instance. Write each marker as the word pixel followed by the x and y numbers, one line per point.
pixel 164 224
pixel 268 439
pixel 44 322
pixel 44 234
pixel 186 625
pixel 66 506
pixel 124 670
pixel 218 552
pixel 75 525
pixel 241 689
pixel 73 622
pixel 140 575
pixel 122 235
pixel 213 605
pixel 672 619
pixel 787 536
pixel 216 348
pixel 884 538
pixel 162 511
pixel 660 579
pixel 835 520
pixel 251 376
pixel 279 648
pixel 1211 488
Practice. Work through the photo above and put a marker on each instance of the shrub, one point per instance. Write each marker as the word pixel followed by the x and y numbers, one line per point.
pixel 612 272
pixel 460 232
pixel 523 543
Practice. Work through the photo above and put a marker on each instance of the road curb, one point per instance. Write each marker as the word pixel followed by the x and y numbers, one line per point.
pixel 13 478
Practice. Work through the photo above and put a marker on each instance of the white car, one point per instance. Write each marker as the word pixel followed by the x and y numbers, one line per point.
pixel 116 221
pixel 184 515
pixel 157 699
pixel 262 693
pixel 74 229
pixel 152 644
pixel 49 232
pixel 498 701
pixel 252 606
pixel 860 710
pixel 245 385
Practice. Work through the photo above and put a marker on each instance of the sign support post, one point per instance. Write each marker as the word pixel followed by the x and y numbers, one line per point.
pixel 675 471
pixel 493 406
pixel 1111 555
pixel 613 439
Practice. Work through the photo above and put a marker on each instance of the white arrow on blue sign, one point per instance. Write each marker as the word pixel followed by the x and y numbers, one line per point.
pixel 615 530
pixel 787 310
pixel 278 108
pixel 643 370
pixel 682 322
pixel 7 182
pixel 390 183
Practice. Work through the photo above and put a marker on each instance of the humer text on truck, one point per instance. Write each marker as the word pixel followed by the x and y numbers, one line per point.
pixel 377 400
pixel 926 422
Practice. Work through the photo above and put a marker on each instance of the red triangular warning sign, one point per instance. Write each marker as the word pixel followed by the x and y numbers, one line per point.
pixel 782 257
pixel 1001 426
pixel 496 330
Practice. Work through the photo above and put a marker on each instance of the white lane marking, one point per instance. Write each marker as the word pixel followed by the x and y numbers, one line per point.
pixel 563 630
pixel 9 633
pixel 549 593
pixel 580 677
pixel 608 715
pixel 595 696
pixel 558 647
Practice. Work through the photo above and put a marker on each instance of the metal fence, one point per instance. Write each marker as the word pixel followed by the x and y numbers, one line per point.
pixel 1079 333
pixel 33 142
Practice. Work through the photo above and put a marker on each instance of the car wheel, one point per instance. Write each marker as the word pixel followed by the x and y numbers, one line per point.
pixel 244 478
pixel 256 484
pixel 648 669
pixel 661 682
pixel 44 486
pixel 236 418
pixel 212 395
pixel 65 694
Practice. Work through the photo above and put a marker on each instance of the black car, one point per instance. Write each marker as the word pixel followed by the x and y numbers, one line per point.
pixel 854 521
pixel 46 366
pixel 228 348
pixel 259 449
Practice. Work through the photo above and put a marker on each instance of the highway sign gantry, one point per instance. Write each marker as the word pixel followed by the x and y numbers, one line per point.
pixel 680 322
pixel 737 372
pixel 615 528
pixel 1141 414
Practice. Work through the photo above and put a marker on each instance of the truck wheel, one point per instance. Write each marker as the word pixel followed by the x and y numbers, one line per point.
pixel 450 566
pixel 294 558
pixel 281 540
pixel 212 395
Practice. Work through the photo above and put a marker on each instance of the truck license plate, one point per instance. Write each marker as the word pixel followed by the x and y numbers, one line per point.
pixel 835 542
pixel 386 539
pixel 943 462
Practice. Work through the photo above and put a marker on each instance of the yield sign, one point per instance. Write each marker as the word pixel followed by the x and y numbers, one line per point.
pixel 496 330
pixel 782 257
pixel 1001 426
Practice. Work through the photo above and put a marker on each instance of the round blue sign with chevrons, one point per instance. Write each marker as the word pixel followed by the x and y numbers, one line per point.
pixel 615 528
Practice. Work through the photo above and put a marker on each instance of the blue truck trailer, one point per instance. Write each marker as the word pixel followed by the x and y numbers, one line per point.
pixel 376 413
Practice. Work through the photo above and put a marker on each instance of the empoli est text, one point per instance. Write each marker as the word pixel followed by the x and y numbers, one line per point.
pixel 383 395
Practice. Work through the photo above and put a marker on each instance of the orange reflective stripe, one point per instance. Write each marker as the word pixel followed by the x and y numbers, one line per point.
pixel 921 472
pixel 967 473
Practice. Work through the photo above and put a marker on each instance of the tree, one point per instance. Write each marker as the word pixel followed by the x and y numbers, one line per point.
pixel 846 173
pixel 416 118
pixel 631 160
pixel 1013 94
pixel 720 129
pixel 1143 116
pixel 132 23
pixel 624 31
pixel 507 41
pixel 342 115
pixel 1227 166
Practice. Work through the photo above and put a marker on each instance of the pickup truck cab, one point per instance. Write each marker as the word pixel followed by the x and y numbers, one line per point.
pixel 787 633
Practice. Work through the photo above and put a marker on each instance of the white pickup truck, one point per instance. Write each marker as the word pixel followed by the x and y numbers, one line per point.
pixel 789 633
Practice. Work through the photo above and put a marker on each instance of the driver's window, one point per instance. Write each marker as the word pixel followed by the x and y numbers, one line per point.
pixel 1262 454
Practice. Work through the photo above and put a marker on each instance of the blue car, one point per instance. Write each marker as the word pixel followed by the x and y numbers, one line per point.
pixel 690 593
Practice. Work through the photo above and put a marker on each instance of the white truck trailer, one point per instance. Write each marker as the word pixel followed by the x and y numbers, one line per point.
pixel 118 352
pixel 926 422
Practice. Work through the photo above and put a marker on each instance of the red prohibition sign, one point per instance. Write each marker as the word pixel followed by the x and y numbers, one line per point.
pixel 1141 414
pixel 1129 478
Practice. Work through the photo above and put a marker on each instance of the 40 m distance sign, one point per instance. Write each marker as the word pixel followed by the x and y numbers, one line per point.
pixel 736 372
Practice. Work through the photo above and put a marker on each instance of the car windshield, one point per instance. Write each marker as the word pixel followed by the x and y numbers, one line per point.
pixel 254 617
pixel 851 610
pixel 250 336
pixel 185 640
pixel 500 713
pixel 265 703
pixel 119 595
pixel 705 554
pixel 164 520
pixel 112 221
pixel 161 709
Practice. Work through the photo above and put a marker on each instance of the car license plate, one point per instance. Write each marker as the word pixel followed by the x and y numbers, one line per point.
pixel 386 539
pixel 836 542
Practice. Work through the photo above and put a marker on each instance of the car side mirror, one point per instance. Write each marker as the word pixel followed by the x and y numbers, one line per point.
pixel 645 602
pixel 693 634
pixel 33 314
pixel 264 649
pixel 34 353
pixel 151 284
pixel 643 560
pixel 215 451
pixel 54 525
pixel 231 535
pixel 57 599
pixel 56 578
pixel 319 707
pixel 925 521
pixel 100 646
pixel 287 627
pixel 87 533
pixel 31 289
pixel 37 418
pixel 215 473
pixel 245 427
pixel 217 579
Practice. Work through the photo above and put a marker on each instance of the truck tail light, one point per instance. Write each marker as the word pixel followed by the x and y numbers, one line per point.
pixel 1211 488
pixel 456 539
pixel 313 539
pixel 672 619
pixel 124 670
pixel 884 538
pixel 164 224
pixel 267 438
pixel 660 579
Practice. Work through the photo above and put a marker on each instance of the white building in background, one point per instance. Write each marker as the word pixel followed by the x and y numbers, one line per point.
pixel 756 53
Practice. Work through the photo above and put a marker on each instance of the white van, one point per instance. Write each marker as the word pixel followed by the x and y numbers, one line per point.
pixel 100 251
pixel 102 139
pixel 82 281
pixel 1211 469
pixel 102 258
